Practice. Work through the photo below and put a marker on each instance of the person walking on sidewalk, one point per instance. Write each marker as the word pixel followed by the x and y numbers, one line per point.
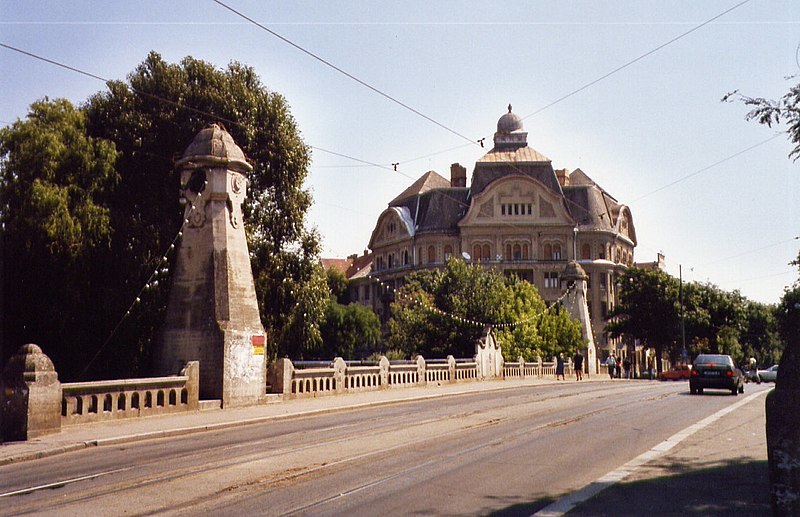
pixel 611 363
pixel 578 360
pixel 560 367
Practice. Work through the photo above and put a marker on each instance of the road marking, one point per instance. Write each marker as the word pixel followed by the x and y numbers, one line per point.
pixel 570 501
pixel 59 484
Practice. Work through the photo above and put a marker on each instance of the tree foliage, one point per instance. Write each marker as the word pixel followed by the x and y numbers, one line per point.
pixel 440 312
pixel 125 140
pixel 715 321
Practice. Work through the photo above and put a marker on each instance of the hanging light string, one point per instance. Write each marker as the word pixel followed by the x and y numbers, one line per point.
pixel 152 280
pixel 468 321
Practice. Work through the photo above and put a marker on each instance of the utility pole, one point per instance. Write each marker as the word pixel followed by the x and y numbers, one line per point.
pixel 683 325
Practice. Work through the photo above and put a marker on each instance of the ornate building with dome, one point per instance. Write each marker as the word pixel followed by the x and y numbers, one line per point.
pixel 518 214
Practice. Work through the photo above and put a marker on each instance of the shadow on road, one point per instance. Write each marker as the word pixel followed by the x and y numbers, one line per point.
pixel 733 487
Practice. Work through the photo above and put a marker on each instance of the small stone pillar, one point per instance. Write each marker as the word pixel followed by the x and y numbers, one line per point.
pixel 451 368
pixel 521 362
pixel 339 374
pixel 384 366
pixel 422 377
pixel 30 396
pixel 281 373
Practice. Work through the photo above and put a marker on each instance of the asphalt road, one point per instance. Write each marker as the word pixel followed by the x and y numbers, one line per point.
pixel 507 452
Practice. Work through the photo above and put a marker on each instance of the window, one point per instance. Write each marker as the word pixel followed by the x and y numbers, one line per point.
pixel 448 252
pixel 551 280
pixel 586 251
pixel 476 252
pixel 405 257
pixel 517 252
pixel 556 251
pixel 487 252
pixel 603 280
pixel 431 254
pixel 603 309
pixel 367 289
pixel 512 209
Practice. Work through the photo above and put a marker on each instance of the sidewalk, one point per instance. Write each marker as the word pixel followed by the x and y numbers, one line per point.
pixel 127 430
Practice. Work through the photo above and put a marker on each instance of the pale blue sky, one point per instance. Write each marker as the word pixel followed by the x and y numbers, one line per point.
pixel 646 134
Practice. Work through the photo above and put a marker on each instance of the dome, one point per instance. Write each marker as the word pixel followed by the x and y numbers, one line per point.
pixel 509 122
pixel 213 145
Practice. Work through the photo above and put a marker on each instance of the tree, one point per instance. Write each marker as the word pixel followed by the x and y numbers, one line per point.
pixel 785 110
pixel 350 331
pixel 55 182
pixel 150 118
pixel 648 309
pixel 442 312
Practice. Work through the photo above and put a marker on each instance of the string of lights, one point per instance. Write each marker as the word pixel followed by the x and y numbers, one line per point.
pixel 152 280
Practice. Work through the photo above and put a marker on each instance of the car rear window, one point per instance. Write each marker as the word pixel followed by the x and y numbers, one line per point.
pixel 714 358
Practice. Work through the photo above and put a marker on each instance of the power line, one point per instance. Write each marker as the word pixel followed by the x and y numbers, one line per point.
pixel 635 60
pixel 341 71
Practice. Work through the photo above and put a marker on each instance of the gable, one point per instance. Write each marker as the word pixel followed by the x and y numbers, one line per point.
pixel 394 224
pixel 517 200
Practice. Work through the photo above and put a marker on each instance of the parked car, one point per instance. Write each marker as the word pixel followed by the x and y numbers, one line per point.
pixel 715 371
pixel 770 374
pixel 678 372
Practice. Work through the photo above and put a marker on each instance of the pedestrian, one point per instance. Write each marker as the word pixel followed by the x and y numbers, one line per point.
pixel 626 364
pixel 578 360
pixel 560 367
pixel 619 367
pixel 611 363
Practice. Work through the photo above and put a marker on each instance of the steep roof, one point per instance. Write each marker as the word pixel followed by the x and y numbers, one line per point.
pixel 429 180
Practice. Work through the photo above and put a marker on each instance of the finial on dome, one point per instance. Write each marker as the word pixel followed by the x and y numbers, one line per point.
pixel 509 107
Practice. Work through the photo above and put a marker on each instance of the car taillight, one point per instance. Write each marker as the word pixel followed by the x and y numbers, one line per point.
pixel 694 373
pixel 729 373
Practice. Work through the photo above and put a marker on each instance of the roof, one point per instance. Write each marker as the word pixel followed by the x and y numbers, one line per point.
pixel 429 180
pixel 351 267
pixel 216 146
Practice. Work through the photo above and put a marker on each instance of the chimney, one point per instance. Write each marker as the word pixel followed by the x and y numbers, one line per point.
pixel 458 175
pixel 563 177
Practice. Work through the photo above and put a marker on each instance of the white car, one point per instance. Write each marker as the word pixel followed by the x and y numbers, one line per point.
pixel 769 375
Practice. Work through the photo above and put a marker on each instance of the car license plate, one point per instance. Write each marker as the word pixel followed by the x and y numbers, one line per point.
pixel 712 372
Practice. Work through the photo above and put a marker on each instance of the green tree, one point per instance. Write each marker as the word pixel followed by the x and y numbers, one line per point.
pixel 151 117
pixel 648 309
pixel 350 331
pixel 55 183
pixel 338 285
pixel 440 313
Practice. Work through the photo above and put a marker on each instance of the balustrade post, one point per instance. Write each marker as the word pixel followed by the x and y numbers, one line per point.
pixel 521 362
pixel 281 374
pixel 30 396
pixel 384 372
pixel 451 368
pixel 339 373
pixel 192 371
pixel 422 377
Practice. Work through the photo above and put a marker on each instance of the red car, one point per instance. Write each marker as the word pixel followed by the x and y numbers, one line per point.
pixel 680 372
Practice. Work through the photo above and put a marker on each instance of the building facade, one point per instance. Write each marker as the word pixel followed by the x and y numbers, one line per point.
pixel 518 215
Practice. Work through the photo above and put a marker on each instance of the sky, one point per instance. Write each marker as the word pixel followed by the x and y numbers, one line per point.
pixel 628 91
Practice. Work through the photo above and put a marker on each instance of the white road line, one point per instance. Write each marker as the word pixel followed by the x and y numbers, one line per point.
pixel 568 502
pixel 59 484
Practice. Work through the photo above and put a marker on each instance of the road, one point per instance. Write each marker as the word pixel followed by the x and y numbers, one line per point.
pixel 509 452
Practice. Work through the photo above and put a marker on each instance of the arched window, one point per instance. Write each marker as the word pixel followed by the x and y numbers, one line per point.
pixel 476 253
pixel 448 252
pixel 524 252
pixel 517 252
pixel 586 251
pixel 556 251
pixel 431 254
pixel 405 257
pixel 487 252
pixel 391 260
pixel 548 251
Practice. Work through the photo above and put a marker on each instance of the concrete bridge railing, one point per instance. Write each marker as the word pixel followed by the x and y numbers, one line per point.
pixel 303 379
pixel 85 402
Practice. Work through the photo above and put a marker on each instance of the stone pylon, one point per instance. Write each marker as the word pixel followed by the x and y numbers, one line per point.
pixel 212 315
pixel 575 303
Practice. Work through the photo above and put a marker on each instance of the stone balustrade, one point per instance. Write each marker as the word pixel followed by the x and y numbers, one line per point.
pixel 315 378
pixel 85 402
